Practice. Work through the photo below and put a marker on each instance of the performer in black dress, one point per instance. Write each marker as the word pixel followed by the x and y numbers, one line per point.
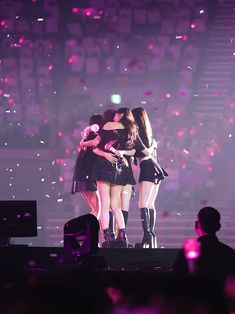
pixel 82 181
pixel 151 174
pixel 112 171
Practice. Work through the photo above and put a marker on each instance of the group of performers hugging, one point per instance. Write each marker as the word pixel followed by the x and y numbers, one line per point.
pixel 103 173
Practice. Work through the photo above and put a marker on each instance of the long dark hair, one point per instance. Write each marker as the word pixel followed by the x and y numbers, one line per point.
pixel 144 126
pixel 96 119
pixel 108 115
pixel 128 122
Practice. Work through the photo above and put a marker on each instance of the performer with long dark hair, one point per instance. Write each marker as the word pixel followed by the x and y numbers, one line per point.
pixel 112 170
pixel 82 181
pixel 151 174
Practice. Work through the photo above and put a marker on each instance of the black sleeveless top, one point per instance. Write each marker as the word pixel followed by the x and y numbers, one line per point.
pixel 118 139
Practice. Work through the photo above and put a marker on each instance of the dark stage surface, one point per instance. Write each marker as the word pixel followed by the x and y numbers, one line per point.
pixel 47 258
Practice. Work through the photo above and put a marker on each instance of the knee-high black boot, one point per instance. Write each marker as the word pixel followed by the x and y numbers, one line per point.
pixel 145 220
pixel 152 221
pixel 111 225
pixel 125 216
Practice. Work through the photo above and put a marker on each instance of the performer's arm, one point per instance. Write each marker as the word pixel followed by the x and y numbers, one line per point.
pixel 113 126
pixel 152 147
pixel 91 143
pixel 149 151
pixel 110 157
pixel 130 152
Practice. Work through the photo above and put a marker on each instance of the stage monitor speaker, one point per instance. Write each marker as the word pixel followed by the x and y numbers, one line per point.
pixel 81 236
pixel 17 219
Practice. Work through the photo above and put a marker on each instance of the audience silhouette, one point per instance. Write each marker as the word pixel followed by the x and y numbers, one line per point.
pixel 216 259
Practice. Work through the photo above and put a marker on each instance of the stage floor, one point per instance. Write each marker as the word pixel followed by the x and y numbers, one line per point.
pixel 45 258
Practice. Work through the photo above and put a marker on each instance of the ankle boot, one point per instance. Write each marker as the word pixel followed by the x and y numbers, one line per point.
pixel 147 236
pixel 107 239
pixel 121 240
pixel 152 221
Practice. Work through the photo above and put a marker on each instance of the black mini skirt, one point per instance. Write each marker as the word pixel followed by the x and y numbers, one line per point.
pixel 151 171
pixel 82 186
pixel 118 174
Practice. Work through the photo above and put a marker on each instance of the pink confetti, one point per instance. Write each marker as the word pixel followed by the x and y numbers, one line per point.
pixel 180 133
pixel 11 101
pixel 133 63
pixel 88 12
pixel 211 152
pixel 21 40
pixel 192 131
pixel 71 59
pixel 75 10
pixel 148 93
pixel 177 113
pixel 231 120
pixel 209 169
pixel 165 214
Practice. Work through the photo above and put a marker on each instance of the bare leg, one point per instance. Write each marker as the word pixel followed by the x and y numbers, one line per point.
pixel 121 240
pixel 126 197
pixel 124 202
pixel 115 205
pixel 145 191
pixel 104 193
pixel 92 199
pixel 153 196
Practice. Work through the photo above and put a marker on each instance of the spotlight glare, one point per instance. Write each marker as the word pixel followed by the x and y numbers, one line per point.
pixel 116 98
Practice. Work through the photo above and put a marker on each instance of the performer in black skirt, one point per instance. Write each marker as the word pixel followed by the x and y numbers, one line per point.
pixel 127 190
pixel 112 170
pixel 82 181
pixel 151 174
